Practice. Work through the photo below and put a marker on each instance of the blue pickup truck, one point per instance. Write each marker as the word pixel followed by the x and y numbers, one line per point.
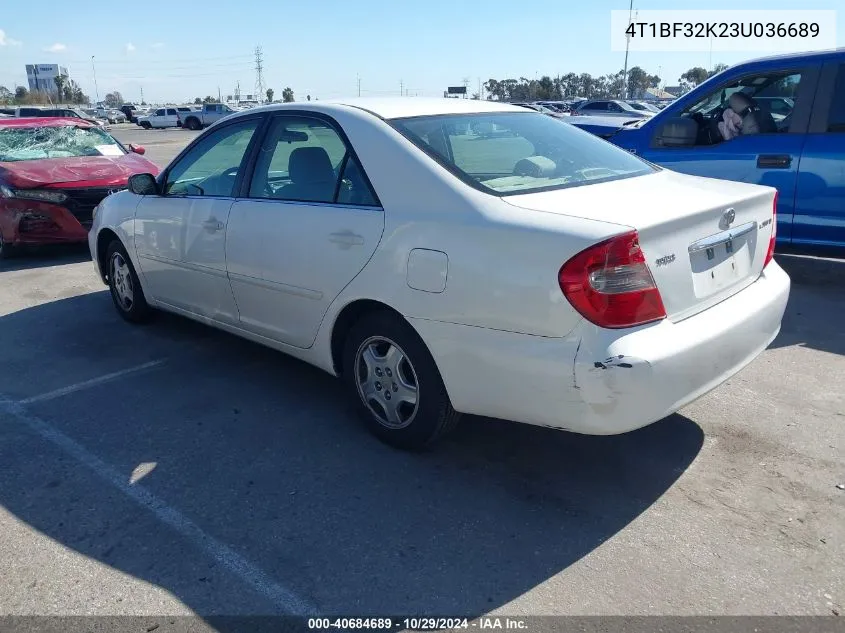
pixel 778 121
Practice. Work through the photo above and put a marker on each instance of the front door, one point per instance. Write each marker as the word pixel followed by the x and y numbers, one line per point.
pixel 309 224
pixel 181 234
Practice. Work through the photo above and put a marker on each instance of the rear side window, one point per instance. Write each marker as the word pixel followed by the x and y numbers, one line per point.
pixel 510 153
pixel 836 119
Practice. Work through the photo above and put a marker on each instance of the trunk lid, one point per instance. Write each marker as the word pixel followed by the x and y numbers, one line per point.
pixel 704 239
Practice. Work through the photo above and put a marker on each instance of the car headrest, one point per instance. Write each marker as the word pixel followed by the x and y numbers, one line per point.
pixel 310 164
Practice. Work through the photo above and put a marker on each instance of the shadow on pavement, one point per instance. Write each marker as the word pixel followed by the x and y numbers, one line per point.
pixel 45 256
pixel 816 301
pixel 262 453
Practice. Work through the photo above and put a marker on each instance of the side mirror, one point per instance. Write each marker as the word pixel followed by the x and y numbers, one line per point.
pixel 137 149
pixel 677 132
pixel 143 185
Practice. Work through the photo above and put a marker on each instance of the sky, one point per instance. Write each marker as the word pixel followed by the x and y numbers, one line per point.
pixel 322 47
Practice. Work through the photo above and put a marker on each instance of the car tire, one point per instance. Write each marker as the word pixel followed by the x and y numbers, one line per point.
pixel 125 287
pixel 385 366
pixel 193 124
pixel 146 125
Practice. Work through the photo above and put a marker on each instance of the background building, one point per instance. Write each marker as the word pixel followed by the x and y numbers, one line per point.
pixel 43 77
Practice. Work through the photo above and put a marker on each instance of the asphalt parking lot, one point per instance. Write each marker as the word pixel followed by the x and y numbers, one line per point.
pixel 172 469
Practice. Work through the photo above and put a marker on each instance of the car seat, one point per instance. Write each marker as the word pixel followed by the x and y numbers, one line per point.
pixel 312 176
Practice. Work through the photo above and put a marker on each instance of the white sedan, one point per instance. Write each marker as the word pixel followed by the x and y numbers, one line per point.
pixel 532 272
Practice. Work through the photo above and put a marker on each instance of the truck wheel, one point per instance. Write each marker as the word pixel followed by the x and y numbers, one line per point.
pixel 193 124
pixel 146 125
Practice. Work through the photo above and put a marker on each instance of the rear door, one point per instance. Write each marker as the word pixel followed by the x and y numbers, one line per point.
pixel 304 227
pixel 820 199
pixel 170 117
pixel 766 159
pixel 157 119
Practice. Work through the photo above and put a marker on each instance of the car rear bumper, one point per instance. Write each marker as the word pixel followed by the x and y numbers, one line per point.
pixel 603 382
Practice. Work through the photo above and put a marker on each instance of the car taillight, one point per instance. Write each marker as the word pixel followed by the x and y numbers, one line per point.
pixel 610 284
pixel 770 254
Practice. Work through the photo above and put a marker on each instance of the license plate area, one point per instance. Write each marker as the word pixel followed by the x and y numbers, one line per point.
pixel 720 264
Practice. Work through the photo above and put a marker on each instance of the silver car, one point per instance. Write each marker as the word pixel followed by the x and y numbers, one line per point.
pixel 611 107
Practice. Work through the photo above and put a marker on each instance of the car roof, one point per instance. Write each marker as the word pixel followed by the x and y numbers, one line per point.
pixel 53 121
pixel 809 56
pixel 398 107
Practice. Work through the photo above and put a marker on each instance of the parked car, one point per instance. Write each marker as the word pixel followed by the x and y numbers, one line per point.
pixel 610 107
pixel 643 106
pixel 66 113
pixel 540 108
pixel 111 115
pixel 198 119
pixel 53 173
pixel 800 151
pixel 160 118
pixel 546 277
pixel 129 110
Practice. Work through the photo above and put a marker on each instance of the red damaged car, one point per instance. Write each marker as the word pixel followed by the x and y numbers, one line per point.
pixel 53 172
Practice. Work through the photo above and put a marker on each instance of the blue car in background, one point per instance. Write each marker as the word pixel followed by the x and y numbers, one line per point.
pixel 785 128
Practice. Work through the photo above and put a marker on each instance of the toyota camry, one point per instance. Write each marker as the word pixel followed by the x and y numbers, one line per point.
pixel 454 256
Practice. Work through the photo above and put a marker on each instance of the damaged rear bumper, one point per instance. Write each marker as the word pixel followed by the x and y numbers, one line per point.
pixel 603 382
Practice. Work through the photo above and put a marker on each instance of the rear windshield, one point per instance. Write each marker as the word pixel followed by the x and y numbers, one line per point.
pixel 512 153
pixel 36 143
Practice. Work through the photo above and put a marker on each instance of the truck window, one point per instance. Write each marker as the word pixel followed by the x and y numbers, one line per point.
pixel 836 118
pixel 756 104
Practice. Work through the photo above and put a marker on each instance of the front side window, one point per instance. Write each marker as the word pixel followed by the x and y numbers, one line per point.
pixel 509 152
pixel 211 167
pixel 67 141
pixel 757 104
pixel 305 159
pixel 159 113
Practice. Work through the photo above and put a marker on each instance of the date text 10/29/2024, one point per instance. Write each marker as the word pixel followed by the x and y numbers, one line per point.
pixel 417 624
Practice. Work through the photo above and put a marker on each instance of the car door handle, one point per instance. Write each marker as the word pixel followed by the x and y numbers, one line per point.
pixel 777 161
pixel 346 238
pixel 213 225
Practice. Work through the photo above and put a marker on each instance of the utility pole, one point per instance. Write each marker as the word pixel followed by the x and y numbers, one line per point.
pixel 219 96
pixel 94 70
pixel 358 77
pixel 401 88
pixel 259 74
pixel 142 95
pixel 627 46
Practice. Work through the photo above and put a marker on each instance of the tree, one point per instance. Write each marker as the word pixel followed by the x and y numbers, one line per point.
pixel 198 101
pixel 475 96
pixel 21 94
pixel 61 82
pixel 6 95
pixel 717 69
pixel 287 95
pixel 693 77
pixel 209 99
pixel 270 93
pixel 114 99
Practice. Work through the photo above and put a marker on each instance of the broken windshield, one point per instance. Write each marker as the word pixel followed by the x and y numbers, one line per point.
pixel 35 143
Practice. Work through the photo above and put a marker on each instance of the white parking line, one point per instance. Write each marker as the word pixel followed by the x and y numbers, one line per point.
pixel 58 393
pixel 283 598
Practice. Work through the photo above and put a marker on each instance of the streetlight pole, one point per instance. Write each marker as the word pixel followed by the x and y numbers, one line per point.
pixel 94 71
pixel 627 46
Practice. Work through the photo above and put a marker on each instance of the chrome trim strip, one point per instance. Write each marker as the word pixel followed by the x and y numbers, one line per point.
pixel 722 238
